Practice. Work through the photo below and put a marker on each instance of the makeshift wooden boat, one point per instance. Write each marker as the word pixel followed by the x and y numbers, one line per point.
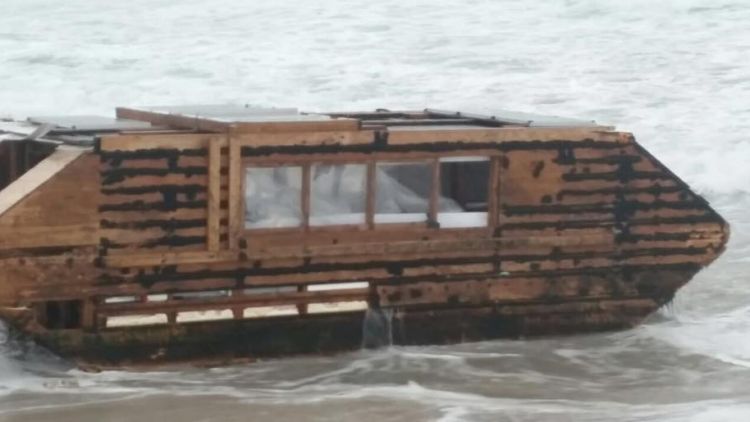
pixel 219 232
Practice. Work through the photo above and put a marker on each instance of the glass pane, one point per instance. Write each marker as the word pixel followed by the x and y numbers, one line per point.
pixel 402 192
pixel 464 183
pixel 337 194
pixel 273 197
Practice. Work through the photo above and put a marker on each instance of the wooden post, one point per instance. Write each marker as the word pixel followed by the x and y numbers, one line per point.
pixel 493 196
pixel 238 312
pixel 302 307
pixel 305 197
pixel 88 314
pixel 434 193
pixel 213 227
pixel 235 192
pixel 370 201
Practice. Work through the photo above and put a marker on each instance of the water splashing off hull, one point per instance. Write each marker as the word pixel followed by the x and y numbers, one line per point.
pixel 377 329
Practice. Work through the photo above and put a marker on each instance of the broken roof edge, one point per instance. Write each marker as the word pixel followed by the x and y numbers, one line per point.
pixel 518 118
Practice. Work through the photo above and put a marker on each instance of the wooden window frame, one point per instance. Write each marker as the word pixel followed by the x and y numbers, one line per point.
pixel 370 161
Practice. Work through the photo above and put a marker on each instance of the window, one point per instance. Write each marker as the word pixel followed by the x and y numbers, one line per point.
pixel 338 194
pixel 402 192
pixel 273 197
pixel 464 185
pixel 452 191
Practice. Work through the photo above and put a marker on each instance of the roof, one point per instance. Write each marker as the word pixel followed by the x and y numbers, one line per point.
pixel 226 118
pixel 223 118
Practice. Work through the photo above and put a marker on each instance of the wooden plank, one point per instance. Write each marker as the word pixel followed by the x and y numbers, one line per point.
pixel 463 242
pixel 236 217
pixel 134 238
pixel 169 258
pixel 339 137
pixel 192 194
pixel 274 160
pixel 178 121
pixel 305 197
pixel 243 300
pixel 48 236
pixel 503 290
pixel 136 181
pixel 493 196
pixel 214 197
pixel 434 191
pixel 179 215
pixel 339 124
pixel 405 137
pixel 148 141
pixel 164 162
pixel 370 200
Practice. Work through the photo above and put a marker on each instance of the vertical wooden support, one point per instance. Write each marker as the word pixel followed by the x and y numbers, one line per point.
pixel 88 314
pixel 370 200
pixel 305 199
pixel 302 307
pixel 493 209
pixel 171 316
pixel 235 192
pixel 432 216
pixel 238 312
pixel 213 227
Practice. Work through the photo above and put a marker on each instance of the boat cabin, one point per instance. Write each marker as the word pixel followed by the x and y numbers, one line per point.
pixel 220 232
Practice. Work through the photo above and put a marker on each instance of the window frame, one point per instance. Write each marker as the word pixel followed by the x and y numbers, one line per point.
pixel 370 161
pixel 491 200
pixel 351 226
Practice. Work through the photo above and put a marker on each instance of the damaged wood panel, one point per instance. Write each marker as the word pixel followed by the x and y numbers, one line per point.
pixel 154 199
pixel 508 290
pixel 52 274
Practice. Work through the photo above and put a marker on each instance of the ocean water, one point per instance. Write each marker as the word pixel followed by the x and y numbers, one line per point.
pixel 675 73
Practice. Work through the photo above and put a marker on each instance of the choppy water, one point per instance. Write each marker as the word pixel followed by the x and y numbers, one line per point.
pixel 676 73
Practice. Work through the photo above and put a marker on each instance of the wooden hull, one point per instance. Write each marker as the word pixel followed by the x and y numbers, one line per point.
pixel 586 232
pixel 222 342
pixel 617 300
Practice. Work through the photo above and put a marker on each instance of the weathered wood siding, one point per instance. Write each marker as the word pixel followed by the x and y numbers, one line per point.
pixel 49 230
pixel 586 231
pixel 154 199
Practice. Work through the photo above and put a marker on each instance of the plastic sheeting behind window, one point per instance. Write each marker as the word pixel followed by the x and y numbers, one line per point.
pixel 402 192
pixel 338 194
pixel 273 197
